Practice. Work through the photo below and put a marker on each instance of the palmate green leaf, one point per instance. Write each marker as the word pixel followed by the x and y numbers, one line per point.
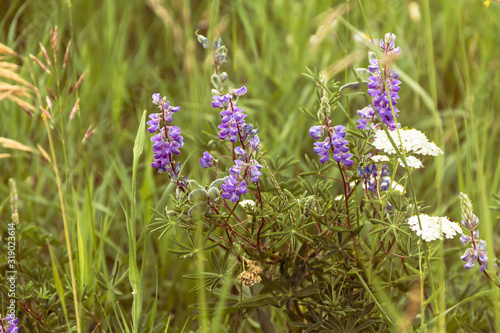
pixel 310 173
pixel 211 246
pixel 310 290
pixel 264 321
pixel 308 113
pixel 270 284
pixel 215 262
pixel 209 279
pixel 202 275
pixel 181 245
pixel 414 270
pixel 280 243
pixel 357 134
pixel 367 310
pixel 300 324
pixel 352 235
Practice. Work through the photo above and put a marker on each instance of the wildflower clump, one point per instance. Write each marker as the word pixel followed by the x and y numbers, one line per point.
pixel 433 227
pixel 232 128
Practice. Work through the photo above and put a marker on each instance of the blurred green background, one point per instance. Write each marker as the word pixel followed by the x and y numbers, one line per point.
pixel 451 78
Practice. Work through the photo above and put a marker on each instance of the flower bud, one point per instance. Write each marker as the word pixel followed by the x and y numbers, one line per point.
pixel 389 37
pixel 216 81
pixel 203 41
pixel 199 195
pixel 213 194
pixel 193 185
pixel 372 56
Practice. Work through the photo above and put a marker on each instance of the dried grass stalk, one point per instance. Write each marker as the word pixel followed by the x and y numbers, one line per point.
pixel 13 144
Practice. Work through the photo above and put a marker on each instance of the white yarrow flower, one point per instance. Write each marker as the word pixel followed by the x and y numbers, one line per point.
pixel 398 188
pixel 434 227
pixel 413 141
pixel 247 204
pixel 339 197
pixel 412 162
pixel 379 158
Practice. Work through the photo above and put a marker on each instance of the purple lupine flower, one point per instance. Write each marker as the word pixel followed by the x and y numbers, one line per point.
pixel 362 124
pixel 237 167
pixel 470 256
pixel 341 151
pixel 154 123
pixel 366 114
pixel 341 157
pixel 381 98
pixel 166 109
pixel 12 322
pixel 371 178
pixel 475 252
pixel 240 152
pixel 387 44
pixel 464 239
pixel 168 140
pixel 254 144
pixel 334 141
pixel 157 99
pixel 255 172
pixel 232 122
pixel 240 91
pixel 316 132
pixel 323 150
pixel 207 160
pixel 220 101
pixel 232 190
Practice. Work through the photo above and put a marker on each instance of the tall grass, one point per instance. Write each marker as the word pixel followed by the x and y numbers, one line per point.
pixel 133 49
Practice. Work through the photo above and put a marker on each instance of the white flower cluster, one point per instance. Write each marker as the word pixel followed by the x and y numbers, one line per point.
pixel 434 227
pixel 248 204
pixel 379 158
pixel 398 188
pixel 413 142
pixel 412 162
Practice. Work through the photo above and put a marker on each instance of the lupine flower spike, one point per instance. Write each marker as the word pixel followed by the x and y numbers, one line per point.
pixel 334 142
pixel 167 142
pixel 383 85
pixel 477 251
pixel 234 129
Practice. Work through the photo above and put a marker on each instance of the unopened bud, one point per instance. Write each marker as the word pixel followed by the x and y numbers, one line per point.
pixel 216 81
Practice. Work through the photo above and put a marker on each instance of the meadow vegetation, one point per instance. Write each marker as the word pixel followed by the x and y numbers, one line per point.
pixel 100 233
